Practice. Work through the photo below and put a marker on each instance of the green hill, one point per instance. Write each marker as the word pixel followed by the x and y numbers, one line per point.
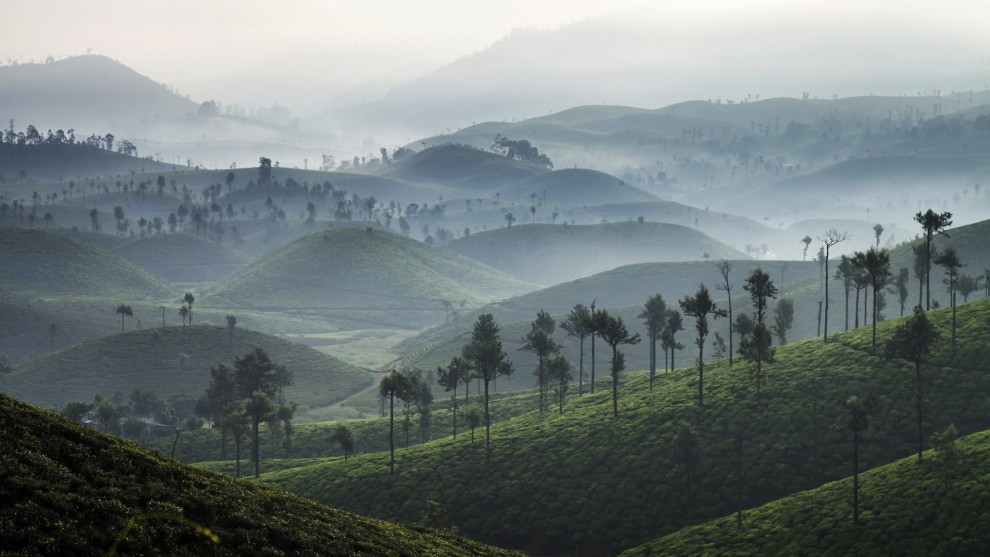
pixel 373 273
pixel 61 163
pixel 68 490
pixel 171 362
pixel 183 257
pixel 43 265
pixel 572 187
pixel 551 254
pixel 25 331
pixel 906 509
pixel 462 167
pixel 587 483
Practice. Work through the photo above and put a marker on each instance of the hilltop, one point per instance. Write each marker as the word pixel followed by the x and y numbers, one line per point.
pixel 906 509
pixel 61 163
pixel 176 361
pixel 552 483
pixel 460 166
pixel 25 331
pixel 371 274
pixel 87 92
pixel 573 187
pixel 551 254
pixel 183 257
pixel 70 490
pixel 44 265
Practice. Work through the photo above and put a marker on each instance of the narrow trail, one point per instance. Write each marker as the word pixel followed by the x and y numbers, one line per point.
pixel 376 381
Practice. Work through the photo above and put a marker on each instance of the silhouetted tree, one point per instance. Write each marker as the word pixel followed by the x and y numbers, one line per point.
pixel 860 411
pixel 124 310
pixel 614 333
pixel 831 238
pixel 920 269
pixel 913 341
pixel 668 337
pixel 539 342
pixel 783 319
pixel 724 268
pixel 258 379
pixel 966 285
pixel 489 361
pixel 394 385
pixel 473 417
pixel 188 298
pixel 846 273
pixel 700 306
pixel 457 372
pixel 231 324
pixel 932 223
pixel 807 243
pixel 345 438
pixel 653 315
pixel 950 260
pixel 237 423
pixel 877 231
pixel 899 284
pixel 559 373
pixel 264 171
pixel 220 396
pixel 576 326
pixel 876 264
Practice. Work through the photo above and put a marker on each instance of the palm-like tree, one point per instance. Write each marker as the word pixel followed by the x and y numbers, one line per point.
pixel 575 325
pixel 876 264
pixel 933 223
pixel 949 259
pixel 614 333
pixel 189 299
pixel 124 310
pixel 653 315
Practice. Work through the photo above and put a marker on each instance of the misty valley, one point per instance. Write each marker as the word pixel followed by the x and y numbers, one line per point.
pixel 755 326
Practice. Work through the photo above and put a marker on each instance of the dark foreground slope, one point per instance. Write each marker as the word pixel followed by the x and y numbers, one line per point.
pixel 68 490
pixel 907 509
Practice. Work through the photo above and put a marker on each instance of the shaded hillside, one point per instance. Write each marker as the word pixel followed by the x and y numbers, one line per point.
pixel 70 490
pixel 588 483
pixel 462 167
pixel 371 271
pixel 906 509
pixel 551 254
pixel 61 163
pixel 26 331
pixel 176 361
pixel 183 257
pixel 89 93
pixel 39 264
pixel 572 187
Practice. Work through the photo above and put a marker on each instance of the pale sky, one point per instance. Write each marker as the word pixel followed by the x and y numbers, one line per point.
pixel 343 49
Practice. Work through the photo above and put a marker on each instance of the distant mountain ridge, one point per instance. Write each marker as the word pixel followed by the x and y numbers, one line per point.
pixel 87 92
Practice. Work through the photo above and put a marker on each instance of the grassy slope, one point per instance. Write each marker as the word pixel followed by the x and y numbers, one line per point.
pixel 551 254
pixel 906 509
pixel 136 361
pixel 351 269
pixel 25 331
pixel 573 187
pixel 70 490
pixel 553 481
pixel 183 257
pixel 43 265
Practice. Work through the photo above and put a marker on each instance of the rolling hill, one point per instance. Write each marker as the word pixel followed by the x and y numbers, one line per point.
pixel 573 187
pixel 551 254
pixel 177 360
pixel 935 509
pixel 61 163
pixel 553 480
pixel 183 257
pixel 466 168
pixel 70 490
pixel 25 331
pixel 370 272
pixel 89 93
pixel 43 265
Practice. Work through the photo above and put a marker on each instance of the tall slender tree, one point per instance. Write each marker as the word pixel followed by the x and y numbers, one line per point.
pixel 576 326
pixel 457 372
pixel 539 342
pixel 559 372
pixel 831 238
pixel 614 333
pixel 932 223
pixel 653 315
pixel 920 251
pixel 949 259
pixel 700 306
pixel 860 411
pixel 394 385
pixel 876 264
pixel 124 310
pixel 724 268
pixel 258 380
pixel 845 272
pixel 913 341
pixel 489 361
pixel 673 324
